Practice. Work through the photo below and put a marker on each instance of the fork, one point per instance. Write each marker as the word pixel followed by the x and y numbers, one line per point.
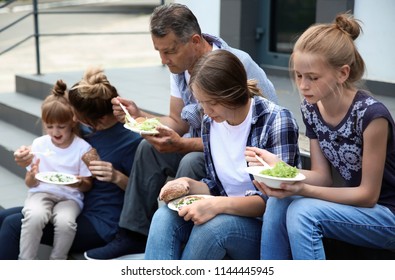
pixel 128 116
pixel 262 161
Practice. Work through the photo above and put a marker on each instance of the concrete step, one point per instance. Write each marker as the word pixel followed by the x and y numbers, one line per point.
pixel 148 86
pixel 13 190
pixel 11 138
pixel 20 123
pixel 21 110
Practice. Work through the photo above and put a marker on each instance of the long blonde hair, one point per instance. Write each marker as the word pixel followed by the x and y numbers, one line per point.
pixel 335 43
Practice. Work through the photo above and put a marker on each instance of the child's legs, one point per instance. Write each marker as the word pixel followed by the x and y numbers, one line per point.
pixel 309 220
pixel 274 241
pixel 36 212
pixel 64 217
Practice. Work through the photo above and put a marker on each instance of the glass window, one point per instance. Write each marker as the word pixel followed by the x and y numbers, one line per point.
pixel 289 18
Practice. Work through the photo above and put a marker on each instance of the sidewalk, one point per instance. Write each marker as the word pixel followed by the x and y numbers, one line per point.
pixel 76 53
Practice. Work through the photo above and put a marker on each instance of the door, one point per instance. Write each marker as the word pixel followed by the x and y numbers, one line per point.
pixel 282 21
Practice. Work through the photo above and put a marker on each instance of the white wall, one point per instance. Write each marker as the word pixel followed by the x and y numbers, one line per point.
pixel 377 42
pixel 207 12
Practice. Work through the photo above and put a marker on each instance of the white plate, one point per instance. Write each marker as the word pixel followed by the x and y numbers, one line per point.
pixel 56 178
pixel 270 181
pixel 176 204
pixel 142 132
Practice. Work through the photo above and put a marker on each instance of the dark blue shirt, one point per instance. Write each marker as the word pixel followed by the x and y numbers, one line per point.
pixel 104 202
pixel 343 145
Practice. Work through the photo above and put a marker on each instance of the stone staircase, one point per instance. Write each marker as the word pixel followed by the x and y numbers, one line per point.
pixel 20 124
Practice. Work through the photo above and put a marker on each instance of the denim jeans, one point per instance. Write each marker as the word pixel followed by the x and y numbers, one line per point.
pixel 294 227
pixel 234 237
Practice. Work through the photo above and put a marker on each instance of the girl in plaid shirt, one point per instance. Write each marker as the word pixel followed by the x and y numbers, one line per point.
pixel 236 116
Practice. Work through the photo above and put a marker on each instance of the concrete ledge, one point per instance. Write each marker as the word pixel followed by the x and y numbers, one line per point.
pixel 376 87
pixel 338 250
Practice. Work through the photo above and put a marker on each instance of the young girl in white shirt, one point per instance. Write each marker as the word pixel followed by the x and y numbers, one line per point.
pixel 60 150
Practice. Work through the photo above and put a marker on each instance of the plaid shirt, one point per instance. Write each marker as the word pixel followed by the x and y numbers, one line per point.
pixel 272 128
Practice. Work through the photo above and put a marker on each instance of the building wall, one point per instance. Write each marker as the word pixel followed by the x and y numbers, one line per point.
pixel 377 42
pixel 207 12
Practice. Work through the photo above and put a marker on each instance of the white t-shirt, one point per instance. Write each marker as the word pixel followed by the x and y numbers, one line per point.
pixel 65 160
pixel 227 145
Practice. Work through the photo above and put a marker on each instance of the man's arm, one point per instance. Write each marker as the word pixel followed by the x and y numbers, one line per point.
pixel 168 141
pixel 173 120
pixel 171 140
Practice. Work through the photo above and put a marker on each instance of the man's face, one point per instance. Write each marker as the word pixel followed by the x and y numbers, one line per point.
pixel 178 56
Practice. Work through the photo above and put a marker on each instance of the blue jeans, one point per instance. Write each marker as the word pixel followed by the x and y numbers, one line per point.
pixel 170 237
pixel 294 227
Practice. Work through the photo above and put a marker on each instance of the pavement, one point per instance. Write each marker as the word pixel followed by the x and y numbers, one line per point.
pixel 76 53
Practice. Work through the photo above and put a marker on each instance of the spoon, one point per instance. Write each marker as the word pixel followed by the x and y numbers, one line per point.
pixel 128 116
pixel 262 161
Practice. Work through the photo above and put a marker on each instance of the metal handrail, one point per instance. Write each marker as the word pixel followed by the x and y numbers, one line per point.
pixel 7 3
pixel 15 22
pixel 36 35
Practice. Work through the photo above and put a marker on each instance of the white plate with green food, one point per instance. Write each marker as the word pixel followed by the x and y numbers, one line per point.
pixel 178 203
pixel 274 176
pixel 146 126
pixel 56 178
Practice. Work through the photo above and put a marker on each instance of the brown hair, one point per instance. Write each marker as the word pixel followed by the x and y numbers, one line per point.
pixel 56 107
pixel 335 43
pixel 221 75
pixel 91 97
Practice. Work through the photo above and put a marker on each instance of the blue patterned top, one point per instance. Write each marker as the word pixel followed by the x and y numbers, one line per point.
pixel 272 128
pixel 343 145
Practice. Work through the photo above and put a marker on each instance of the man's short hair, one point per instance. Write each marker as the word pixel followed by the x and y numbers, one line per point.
pixel 175 18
